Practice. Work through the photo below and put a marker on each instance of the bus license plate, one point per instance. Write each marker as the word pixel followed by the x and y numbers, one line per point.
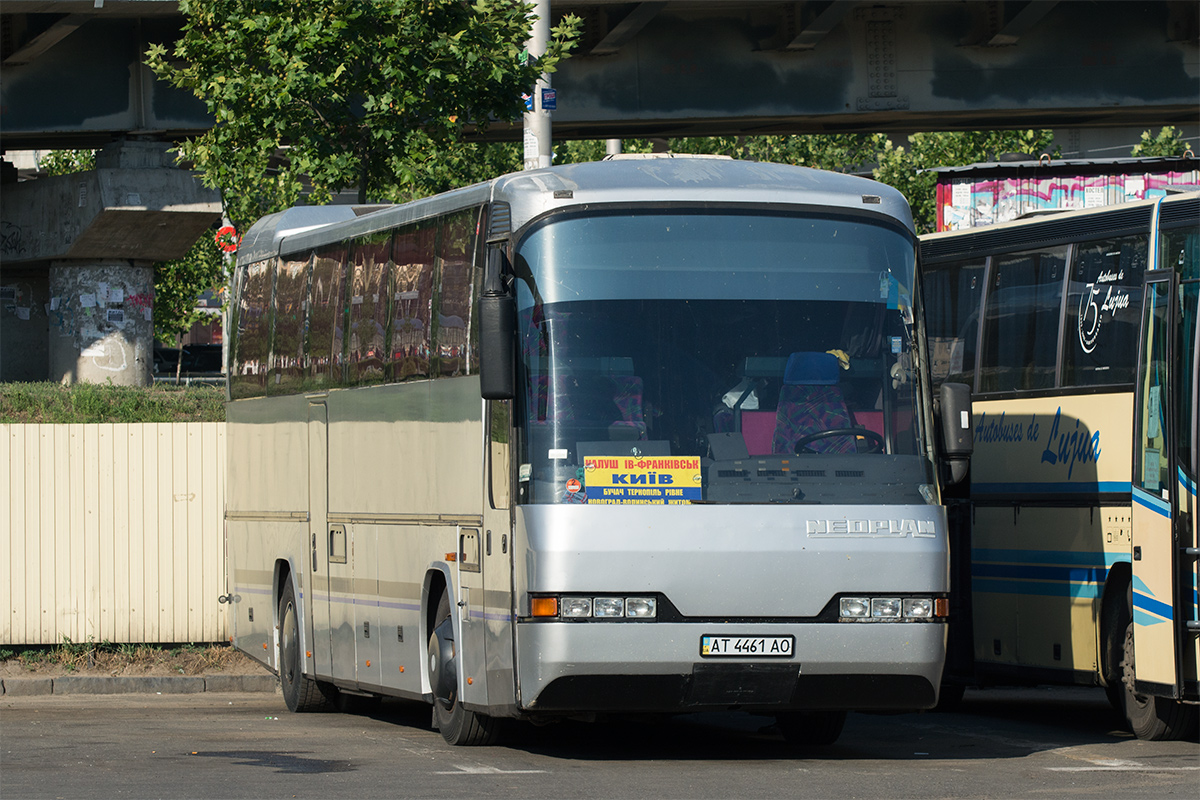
pixel 744 646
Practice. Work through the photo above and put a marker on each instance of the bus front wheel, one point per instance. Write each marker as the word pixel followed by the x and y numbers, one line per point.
pixel 300 693
pixel 458 726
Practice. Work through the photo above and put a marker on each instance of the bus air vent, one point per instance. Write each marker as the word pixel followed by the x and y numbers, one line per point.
pixel 848 473
pixel 809 473
pixel 500 224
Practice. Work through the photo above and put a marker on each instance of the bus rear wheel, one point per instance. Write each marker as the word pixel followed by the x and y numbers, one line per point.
pixel 811 727
pixel 1155 719
pixel 300 693
pixel 457 725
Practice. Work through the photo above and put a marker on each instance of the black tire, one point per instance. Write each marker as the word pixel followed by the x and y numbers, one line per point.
pixel 808 728
pixel 1115 617
pixel 457 725
pixel 300 693
pixel 1155 719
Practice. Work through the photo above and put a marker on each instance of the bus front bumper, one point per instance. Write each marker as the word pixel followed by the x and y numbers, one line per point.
pixel 620 667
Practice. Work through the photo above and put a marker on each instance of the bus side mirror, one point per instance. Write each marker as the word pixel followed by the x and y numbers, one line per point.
pixel 497 332
pixel 958 437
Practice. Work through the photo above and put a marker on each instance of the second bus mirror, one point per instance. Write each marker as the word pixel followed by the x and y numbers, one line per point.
pixel 497 334
pixel 958 434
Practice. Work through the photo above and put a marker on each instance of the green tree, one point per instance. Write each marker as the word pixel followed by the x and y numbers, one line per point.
pixel 1166 144
pixel 177 286
pixel 352 93
pixel 66 162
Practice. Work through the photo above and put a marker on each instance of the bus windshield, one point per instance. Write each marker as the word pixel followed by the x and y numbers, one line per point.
pixel 718 356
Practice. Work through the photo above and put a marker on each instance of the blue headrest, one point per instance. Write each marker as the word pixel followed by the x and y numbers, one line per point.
pixel 819 369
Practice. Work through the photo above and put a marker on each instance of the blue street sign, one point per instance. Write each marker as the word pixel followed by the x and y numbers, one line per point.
pixel 549 99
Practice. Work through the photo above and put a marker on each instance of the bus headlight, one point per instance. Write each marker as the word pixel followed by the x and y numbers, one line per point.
pixel 641 607
pixel 608 607
pixel 855 608
pixel 887 607
pixel 575 607
pixel 918 608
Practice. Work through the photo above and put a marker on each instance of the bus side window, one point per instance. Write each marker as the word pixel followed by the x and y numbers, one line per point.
pixel 369 285
pixel 253 336
pixel 953 293
pixel 291 308
pixel 454 298
pixel 326 343
pixel 500 453
pixel 413 265
pixel 1102 313
pixel 1020 325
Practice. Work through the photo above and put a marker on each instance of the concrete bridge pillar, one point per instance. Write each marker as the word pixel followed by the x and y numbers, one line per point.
pixel 76 256
pixel 100 322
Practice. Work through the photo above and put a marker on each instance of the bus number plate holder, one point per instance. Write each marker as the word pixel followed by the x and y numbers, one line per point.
pixel 714 646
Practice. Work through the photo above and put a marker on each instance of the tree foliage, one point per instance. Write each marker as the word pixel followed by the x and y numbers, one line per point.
pixel 1166 144
pixel 66 162
pixel 357 93
pixel 178 284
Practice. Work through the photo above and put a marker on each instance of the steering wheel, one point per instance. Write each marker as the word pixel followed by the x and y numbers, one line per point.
pixel 875 441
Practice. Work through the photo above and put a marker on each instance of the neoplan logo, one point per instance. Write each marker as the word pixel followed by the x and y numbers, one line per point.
pixel 872 528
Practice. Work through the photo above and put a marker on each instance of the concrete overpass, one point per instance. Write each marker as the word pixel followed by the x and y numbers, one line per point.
pixel 72 71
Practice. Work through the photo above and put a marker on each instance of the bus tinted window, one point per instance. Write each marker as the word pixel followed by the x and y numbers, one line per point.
pixel 455 348
pixel 1020 327
pixel 1152 463
pixel 249 375
pixel 413 257
pixel 291 310
pixel 369 307
pixel 952 296
pixel 328 313
pixel 1104 301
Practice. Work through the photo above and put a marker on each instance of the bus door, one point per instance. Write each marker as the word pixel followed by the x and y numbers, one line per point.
pixel 330 551
pixel 497 555
pixel 1157 615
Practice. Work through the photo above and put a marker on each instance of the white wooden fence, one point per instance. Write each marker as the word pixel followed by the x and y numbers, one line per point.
pixel 112 532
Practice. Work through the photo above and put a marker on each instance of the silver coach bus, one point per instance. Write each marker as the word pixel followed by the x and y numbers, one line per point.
pixel 640 435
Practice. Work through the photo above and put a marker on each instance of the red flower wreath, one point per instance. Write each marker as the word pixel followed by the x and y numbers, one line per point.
pixel 227 239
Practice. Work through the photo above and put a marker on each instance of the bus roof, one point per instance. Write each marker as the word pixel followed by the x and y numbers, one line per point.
pixel 661 180
pixel 1043 229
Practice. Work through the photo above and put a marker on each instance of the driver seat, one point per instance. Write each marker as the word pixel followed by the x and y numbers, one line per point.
pixel 810 401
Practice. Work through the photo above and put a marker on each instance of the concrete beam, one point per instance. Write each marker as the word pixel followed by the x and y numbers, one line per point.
pixel 145 214
pixel 627 28
pixel 46 39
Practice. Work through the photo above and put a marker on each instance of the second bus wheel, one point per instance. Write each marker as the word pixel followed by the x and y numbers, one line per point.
pixel 1156 719
pixel 458 726
pixel 300 693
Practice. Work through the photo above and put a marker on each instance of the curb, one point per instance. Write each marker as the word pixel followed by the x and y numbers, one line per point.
pixel 93 684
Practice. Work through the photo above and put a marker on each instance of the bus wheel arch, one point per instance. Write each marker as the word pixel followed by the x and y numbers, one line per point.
pixel 457 725
pixel 300 692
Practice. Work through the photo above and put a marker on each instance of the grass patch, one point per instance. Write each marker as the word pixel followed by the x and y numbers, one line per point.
pixel 54 403
pixel 124 658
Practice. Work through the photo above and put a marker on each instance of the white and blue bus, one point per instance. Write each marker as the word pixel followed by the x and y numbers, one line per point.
pixel 640 435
